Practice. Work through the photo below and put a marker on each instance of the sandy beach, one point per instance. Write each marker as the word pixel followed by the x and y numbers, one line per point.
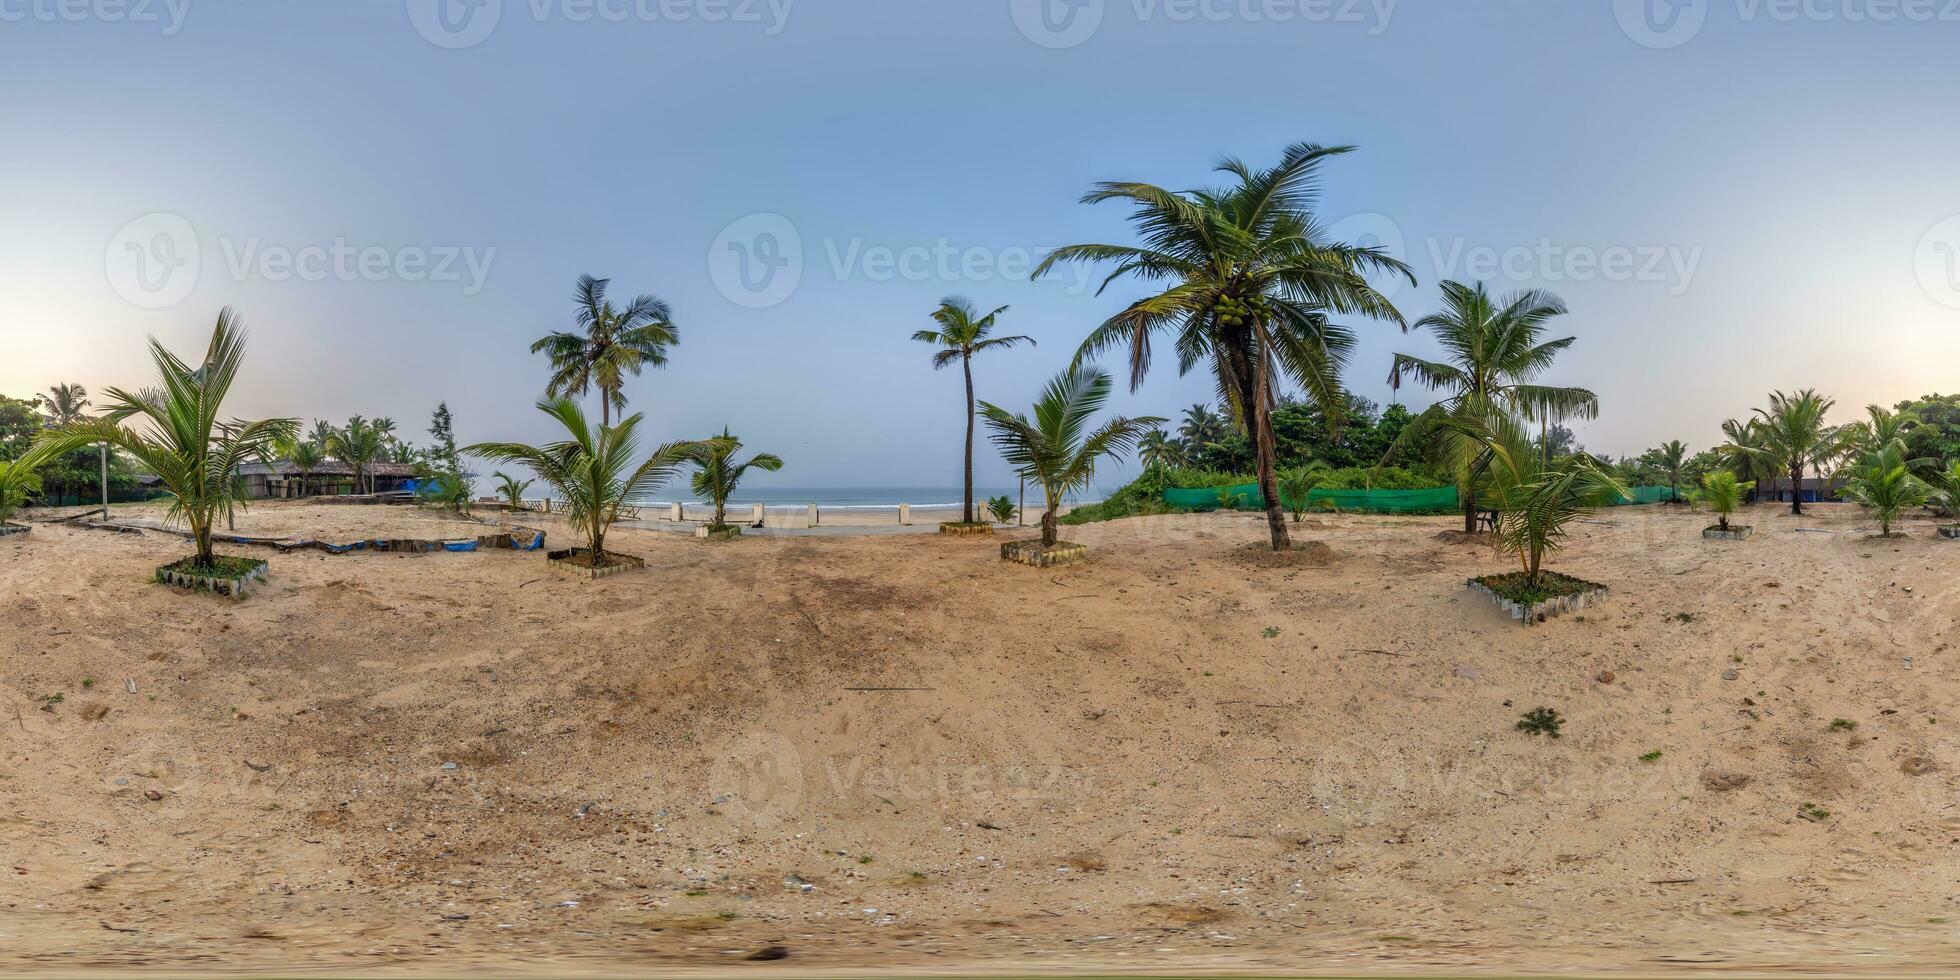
pixel 904 755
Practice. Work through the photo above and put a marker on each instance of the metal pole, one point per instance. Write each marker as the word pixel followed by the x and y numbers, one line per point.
pixel 105 480
pixel 1021 516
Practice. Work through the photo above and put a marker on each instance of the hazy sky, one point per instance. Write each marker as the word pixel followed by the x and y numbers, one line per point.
pixel 1732 195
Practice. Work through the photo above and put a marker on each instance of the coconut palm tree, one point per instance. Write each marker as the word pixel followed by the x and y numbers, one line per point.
pixel 1795 439
pixel 1884 483
pixel 321 432
pixel 511 489
pixel 1201 428
pixel 1297 484
pixel 1946 491
pixel 1056 448
pixel 1670 458
pixel 608 345
pixel 192 451
pixel 592 470
pixel 1158 449
pixel 1251 284
pixel 1539 498
pixel 67 404
pixel 963 333
pixel 1723 494
pixel 718 474
pixel 1493 352
pixel 358 444
pixel 305 455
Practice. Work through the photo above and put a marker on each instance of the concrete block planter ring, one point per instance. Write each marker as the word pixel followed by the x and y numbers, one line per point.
pixel 962 529
pixel 1950 531
pixel 725 532
pixel 1735 532
pixel 1569 595
pixel 573 562
pixel 1032 553
pixel 248 571
pixel 9 530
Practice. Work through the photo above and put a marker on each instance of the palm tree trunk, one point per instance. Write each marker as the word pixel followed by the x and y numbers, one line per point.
pixel 1469 508
pixel 202 535
pixel 1796 489
pixel 1262 437
pixel 721 511
pixel 1049 533
pixel 967 364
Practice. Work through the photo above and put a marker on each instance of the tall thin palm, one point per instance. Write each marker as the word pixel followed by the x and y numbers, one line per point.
pixel 306 456
pixel 358 444
pixel 1056 448
pixel 1671 457
pixel 592 469
pixel 719 475
pixel 1251 283
pixel 67 404
pixel 608 345
pixel 1493 353
pixel 193 452
pixel 963 333
pixel 1158 449
pixel 1796 439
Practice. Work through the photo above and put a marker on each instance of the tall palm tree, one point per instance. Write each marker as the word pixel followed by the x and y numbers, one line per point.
pixel 593 469
pixel 1158 449
pixel 1056 448
pixel 608 345
pixel 1251 283
pixel 1493 352
pixel 358 444
pixel 1670 458
pixel 719 474
pixel 191 450
pixel 306 456
pixel 1201 428
pixel 1796 439
pixel 963 333
pixel 321 432
pixel 67 404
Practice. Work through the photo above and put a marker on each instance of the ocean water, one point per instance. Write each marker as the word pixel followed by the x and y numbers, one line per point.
pixel 872 498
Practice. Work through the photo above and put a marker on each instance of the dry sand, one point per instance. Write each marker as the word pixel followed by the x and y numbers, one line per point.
pixel 978 766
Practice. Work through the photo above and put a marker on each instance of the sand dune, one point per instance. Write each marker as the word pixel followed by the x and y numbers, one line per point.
pixel 904 754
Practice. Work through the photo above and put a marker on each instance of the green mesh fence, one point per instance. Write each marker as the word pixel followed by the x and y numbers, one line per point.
pixel 1647 495
pixel 1248 497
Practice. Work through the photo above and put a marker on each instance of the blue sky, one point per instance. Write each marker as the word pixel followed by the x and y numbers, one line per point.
pixel 1760 199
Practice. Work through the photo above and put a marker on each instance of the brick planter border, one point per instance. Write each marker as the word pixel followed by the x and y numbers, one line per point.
pixel 232 587
pixel 1950 530
pixel 1032 553
pixel 727 532
pixel 9 530
pixel 1736 532
pixel 961 530
pixel 561 562
pixel 1540 611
